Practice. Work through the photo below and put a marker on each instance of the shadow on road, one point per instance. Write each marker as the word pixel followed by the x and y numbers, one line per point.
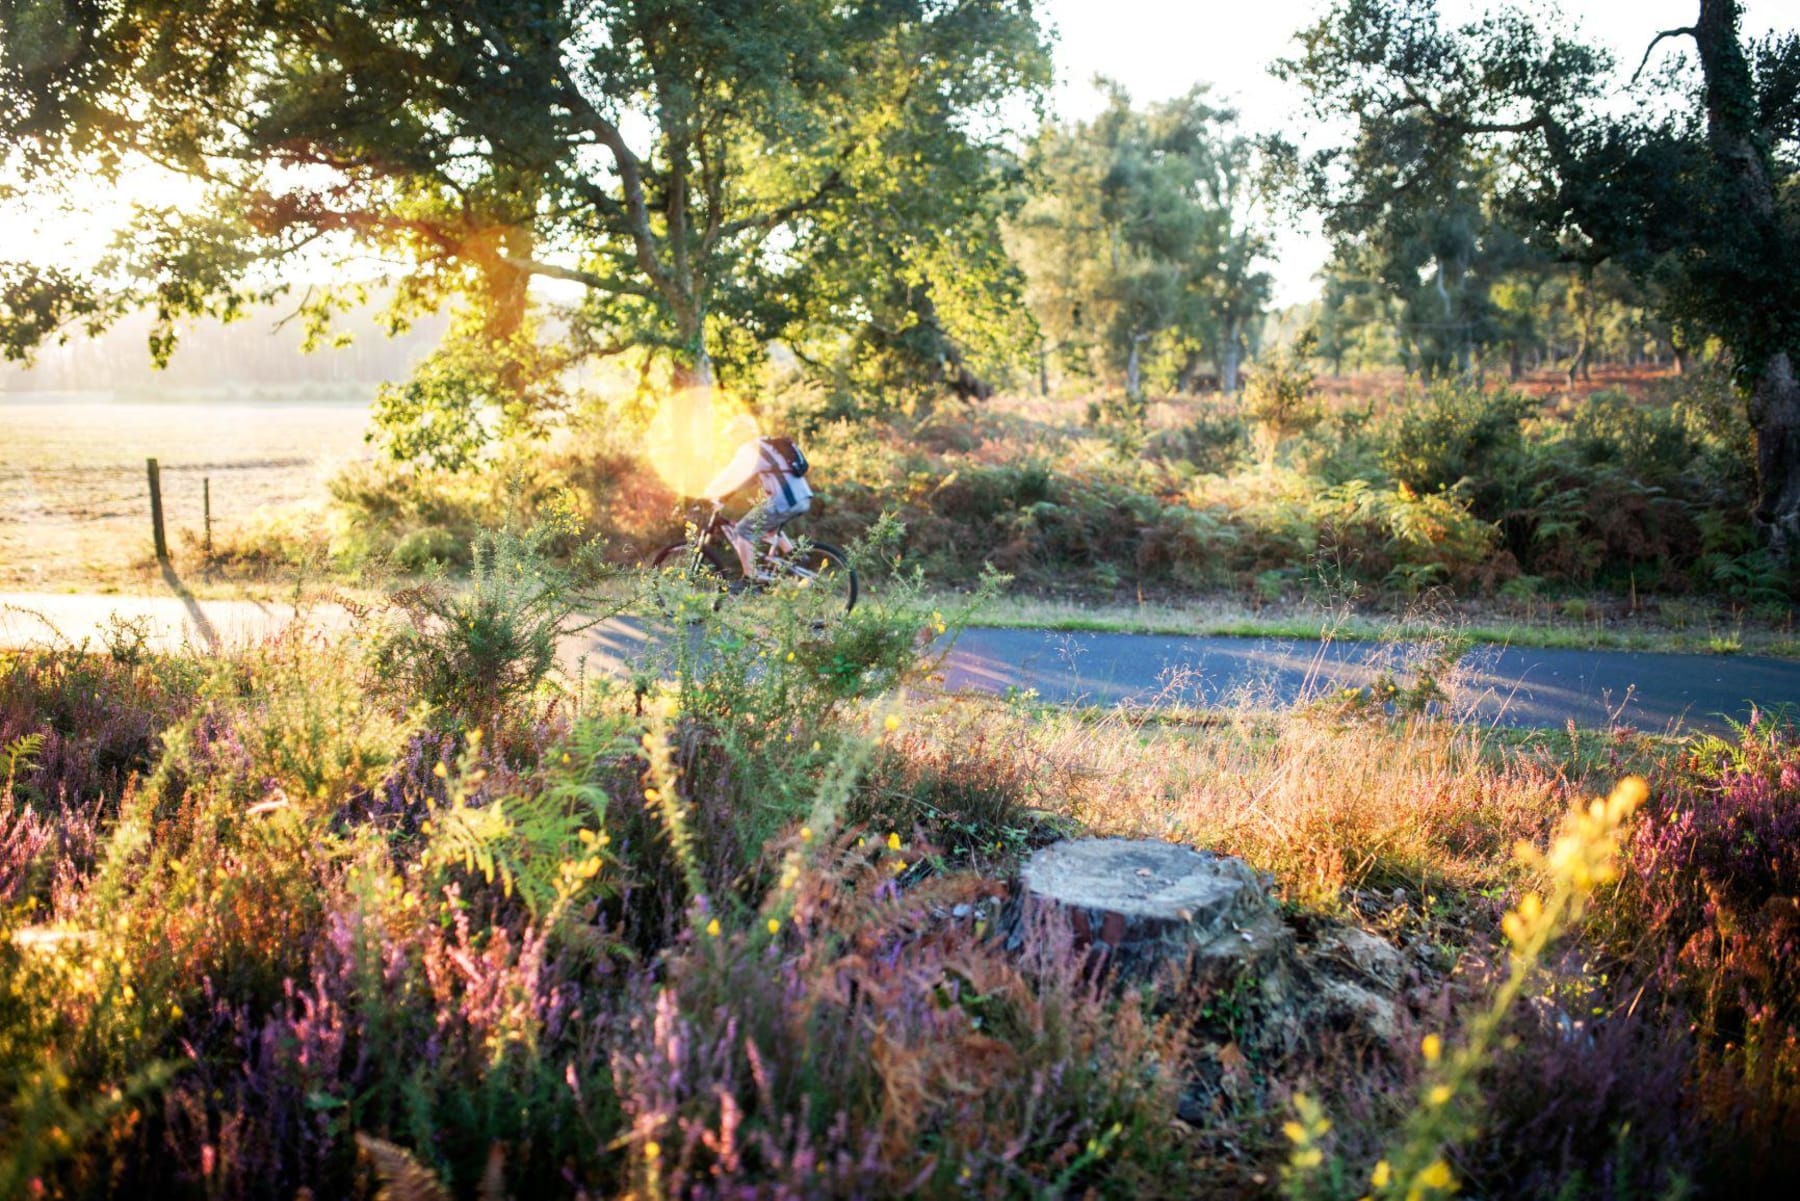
pixel 202 624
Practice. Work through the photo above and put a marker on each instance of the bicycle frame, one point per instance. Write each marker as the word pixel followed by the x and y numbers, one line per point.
pixel 722 527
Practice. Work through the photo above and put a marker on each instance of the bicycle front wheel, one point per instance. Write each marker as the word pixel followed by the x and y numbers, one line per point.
pixel 823 568
pixel 683 569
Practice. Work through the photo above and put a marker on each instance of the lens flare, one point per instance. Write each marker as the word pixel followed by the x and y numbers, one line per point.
pixel 693 434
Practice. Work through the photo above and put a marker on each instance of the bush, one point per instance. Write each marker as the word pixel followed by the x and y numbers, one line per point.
pixel 1709 915
pixel 1457 432
pixel 1279 396
pixel 469 653
pixel 432 547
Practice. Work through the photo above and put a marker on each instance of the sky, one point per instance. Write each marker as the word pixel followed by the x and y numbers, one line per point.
pixel 1160 48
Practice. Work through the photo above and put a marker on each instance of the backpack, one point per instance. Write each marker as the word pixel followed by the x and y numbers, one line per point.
pixel 787 463
pixel 785 456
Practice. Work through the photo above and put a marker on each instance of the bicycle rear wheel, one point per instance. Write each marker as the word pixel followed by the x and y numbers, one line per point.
pixel 682 570
pixel 820 567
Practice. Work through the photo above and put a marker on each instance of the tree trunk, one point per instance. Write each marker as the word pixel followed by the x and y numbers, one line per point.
pixel 1138 907
pixel 1740 148
pixel 1190 372
pixel 695 372
pixel 1775 416
pixel 1134 368
pixel 1231 357
pixel 1515 362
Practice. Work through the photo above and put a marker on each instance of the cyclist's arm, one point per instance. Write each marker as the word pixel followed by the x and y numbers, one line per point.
pixel 740 471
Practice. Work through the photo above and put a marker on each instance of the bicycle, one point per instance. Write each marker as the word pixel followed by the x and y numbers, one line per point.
pixel 709 562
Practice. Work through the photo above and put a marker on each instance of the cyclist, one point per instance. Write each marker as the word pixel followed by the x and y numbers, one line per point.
pixel 779 466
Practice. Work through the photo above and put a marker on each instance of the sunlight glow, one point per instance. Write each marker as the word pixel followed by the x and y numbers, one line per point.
pixel 693 435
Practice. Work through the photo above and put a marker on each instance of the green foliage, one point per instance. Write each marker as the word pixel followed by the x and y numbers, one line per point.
pixel 1687 194
pixel 471 651
pixel 1280 396
pixel 547 846
pixel 1138 242
pixel 1456 433
pixel 40 305
pixel 473 391
pixel 804 171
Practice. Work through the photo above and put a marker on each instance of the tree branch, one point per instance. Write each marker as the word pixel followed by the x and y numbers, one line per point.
pixel 576 275
pixel 631 175
pixel 793 208
pixel 1684 31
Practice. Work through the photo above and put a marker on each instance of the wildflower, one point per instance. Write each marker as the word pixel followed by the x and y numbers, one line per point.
pixel 1431 1047
pixel 899 866
pixel 1439 1095
pixel 1381 1175
pixel 175 1013
pixel 893 842
pixel 652 1150
pixel 893 722
pixel 712 927
pixel 774 926
pixel 440 771
pixel 1437 1177
pixel 806 834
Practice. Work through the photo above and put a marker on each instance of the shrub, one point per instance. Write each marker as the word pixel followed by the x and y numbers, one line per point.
pixel 99 719
pixel 1709 914
pixel 471 652
pixel 428 548
pixel 867 1047
pixel 1279 396
pixel 1455 433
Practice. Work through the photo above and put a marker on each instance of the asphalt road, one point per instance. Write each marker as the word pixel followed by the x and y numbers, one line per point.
pixel 1511 686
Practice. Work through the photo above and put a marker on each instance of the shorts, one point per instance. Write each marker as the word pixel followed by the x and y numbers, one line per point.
pixel 764 518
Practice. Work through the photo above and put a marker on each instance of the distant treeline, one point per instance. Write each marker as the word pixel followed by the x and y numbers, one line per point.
pixel 256 351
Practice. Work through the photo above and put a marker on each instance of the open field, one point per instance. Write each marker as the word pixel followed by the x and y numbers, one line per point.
pixel 74 503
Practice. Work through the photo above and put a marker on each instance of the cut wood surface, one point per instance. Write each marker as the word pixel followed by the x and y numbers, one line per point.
pixel 1143 903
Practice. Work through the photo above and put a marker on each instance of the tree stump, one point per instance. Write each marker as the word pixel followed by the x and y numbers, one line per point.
pixel 1135 906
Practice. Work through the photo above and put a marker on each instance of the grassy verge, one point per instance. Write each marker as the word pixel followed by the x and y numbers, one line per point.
pixel 1214 616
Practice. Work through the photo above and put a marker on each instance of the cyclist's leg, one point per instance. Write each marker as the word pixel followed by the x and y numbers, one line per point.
pixel 777 535
pixel 753 525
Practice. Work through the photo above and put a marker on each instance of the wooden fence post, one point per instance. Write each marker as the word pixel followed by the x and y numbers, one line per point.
pixel 206 502
pixel 156 514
